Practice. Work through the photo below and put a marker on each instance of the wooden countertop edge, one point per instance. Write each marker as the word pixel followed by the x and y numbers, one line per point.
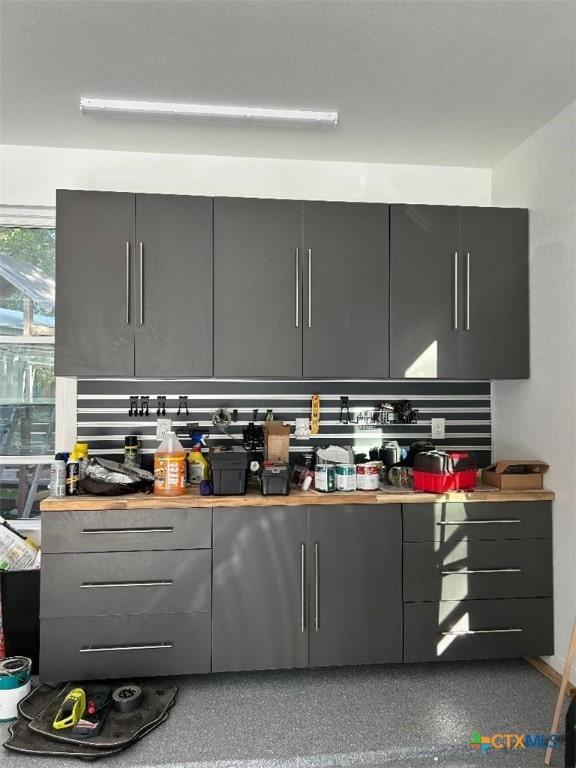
pixel 296 498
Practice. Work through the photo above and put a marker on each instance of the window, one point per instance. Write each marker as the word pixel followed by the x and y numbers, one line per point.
pixel 27 382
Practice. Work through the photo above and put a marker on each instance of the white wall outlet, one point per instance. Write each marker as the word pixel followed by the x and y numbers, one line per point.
pixel 438 429
pixel 302 429
pixel 162 427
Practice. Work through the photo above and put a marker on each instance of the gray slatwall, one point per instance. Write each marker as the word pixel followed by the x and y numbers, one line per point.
pixel 103 406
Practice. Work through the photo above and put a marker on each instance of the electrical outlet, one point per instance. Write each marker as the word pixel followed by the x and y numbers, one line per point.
pixel 438 429
pixel 162 427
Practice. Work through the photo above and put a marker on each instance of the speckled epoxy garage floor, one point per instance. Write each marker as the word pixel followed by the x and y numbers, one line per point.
pixel 394 715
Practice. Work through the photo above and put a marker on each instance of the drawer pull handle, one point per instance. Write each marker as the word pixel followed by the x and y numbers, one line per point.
pixel 482 631
pixel 106 648
pixel 127 530
pixel 477 522
pixel 482 570
pixel 113 584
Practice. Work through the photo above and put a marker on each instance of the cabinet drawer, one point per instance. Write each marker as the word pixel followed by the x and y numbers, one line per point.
pixel 124 646
pixel 477 569
pixel 118 530
pixel 98 584
pixel 478 629
pixel 453 521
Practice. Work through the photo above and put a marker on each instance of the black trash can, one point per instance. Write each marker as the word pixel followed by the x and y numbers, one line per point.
pixel 20 594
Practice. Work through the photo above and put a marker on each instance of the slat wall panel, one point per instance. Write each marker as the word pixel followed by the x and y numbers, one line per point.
pixel 103 405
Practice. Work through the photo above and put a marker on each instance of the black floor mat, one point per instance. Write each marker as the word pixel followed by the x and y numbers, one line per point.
pixel 33 733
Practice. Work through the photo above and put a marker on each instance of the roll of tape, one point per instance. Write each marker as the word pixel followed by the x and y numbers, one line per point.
pixel 127 698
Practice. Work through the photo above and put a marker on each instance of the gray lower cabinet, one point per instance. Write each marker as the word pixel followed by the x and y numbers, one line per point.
pixel 355 586
pixel 297 586
pixel 477 580
pixel 128 270
pixel 293 282
pixel 459 292
pixel 125 592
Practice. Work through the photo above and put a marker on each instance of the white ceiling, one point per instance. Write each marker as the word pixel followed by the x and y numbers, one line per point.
pixel 447 82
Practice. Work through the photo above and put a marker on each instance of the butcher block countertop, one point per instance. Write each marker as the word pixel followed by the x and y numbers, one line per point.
pixel 295 498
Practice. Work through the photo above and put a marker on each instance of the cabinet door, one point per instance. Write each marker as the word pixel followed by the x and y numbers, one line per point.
pixel 259 588
pixel 424 339
pixel 94 283
pixel 257 287
pixel 355 585
pixel 173 301
pixel 346 290
pixel 494 258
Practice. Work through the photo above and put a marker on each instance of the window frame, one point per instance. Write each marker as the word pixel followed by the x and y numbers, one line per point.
pixel 42 217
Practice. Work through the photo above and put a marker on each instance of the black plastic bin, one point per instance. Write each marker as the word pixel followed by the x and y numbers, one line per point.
pixel 229 471
pixel 20 594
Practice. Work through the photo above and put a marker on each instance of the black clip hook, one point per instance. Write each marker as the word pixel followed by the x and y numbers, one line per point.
pixel 161 409
pixel 144 401
pixel 182 403
pixel 133 405
pixel 344 409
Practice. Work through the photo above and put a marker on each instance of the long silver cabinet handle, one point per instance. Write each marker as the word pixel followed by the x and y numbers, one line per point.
pixel 141 283
pixel 455 290
pixel 121 584
pixel 108 648
pixel 467 291
pixel 302 587
pixel 98 531
pixel 481 570
pixel 309 287
pixel 477 522
pixel 127 283
pixel 482 631
pixel 297 291
pixel 316 588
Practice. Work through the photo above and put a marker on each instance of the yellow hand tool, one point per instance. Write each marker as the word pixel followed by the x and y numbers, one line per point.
pixel 71 710
pixel 315 418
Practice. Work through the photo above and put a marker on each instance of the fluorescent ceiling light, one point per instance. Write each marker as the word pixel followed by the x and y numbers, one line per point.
pixel 167 109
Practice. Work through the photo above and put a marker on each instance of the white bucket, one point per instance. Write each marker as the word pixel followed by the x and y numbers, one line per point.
pixel 14 685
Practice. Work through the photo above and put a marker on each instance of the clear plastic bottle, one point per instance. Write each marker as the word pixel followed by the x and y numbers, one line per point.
pixel 170 467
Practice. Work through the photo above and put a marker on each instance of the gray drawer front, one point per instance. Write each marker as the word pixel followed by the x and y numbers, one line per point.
pixel 478 629
pixel 98 584
pixel 453 521
pixel 477 569
pixel 92 648
pixel 128 530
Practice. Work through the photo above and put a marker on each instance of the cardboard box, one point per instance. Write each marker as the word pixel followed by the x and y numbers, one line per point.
pixel 502 474
pixel 276 441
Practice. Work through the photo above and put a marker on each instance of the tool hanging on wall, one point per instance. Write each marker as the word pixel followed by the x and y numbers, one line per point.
pixel 182 404
pixel 315 416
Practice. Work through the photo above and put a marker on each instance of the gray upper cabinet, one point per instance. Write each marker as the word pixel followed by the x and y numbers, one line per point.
pixel 174 275
pixel 495 322
pixel 131 270
pixel 355 586
pixel 257 287
pixel 94 254
pixel 459 292
pixel 346 290
pixel 300 289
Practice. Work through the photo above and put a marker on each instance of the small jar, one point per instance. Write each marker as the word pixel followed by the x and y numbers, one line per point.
pixel 132 451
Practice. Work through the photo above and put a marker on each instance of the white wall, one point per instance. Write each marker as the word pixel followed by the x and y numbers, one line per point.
pixel 31 175
pixel 537 418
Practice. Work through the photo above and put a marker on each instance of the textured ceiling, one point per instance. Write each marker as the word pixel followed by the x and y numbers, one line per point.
pixel 448 82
